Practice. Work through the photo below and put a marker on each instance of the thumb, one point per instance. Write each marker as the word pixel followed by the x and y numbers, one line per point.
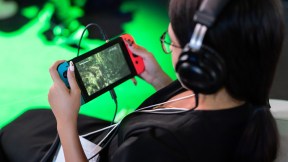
pixel 72 80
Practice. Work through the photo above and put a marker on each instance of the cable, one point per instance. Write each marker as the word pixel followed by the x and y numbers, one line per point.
pixel 175 110
pixel 57 140
pixel 112 92
pixel 166 110
pixel 106 144
pixel 114 97
pixel 113 130
pixel 104 36
pixel 196 100
pixel 115 126
pixel 138 110
pixel 54 145
pixel 99 130
pixel 174 100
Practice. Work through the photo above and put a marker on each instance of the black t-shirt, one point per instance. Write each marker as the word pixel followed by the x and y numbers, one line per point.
pixel 199 135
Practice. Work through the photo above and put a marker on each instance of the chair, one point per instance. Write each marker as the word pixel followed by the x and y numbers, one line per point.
pixel 279 109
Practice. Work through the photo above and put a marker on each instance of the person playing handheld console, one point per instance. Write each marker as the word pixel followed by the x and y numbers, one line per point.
pixel 224 53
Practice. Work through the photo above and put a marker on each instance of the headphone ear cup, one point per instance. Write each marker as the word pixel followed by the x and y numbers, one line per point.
pixel 203 71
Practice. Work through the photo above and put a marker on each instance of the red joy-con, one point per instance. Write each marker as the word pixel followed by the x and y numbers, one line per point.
pixel 137 60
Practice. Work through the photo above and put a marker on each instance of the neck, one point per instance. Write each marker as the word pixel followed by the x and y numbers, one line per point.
pixel 218 101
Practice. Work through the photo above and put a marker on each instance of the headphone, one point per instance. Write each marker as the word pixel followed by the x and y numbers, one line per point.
pixel 199 67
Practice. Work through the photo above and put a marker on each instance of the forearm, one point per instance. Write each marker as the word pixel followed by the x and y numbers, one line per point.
pixel 65 104
pixel 71 144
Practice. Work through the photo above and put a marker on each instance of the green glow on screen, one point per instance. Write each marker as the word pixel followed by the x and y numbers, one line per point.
pixel 26 58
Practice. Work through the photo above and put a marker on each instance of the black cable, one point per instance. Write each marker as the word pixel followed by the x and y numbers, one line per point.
pixel 104 36
pixel 196 101
pixel 51 150
pixel 112 92
pixel 114 97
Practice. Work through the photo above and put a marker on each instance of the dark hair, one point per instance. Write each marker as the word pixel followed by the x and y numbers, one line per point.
pixel 248 35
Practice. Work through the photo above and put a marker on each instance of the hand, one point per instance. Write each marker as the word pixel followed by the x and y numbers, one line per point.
pixel 153 73
pixel 65 103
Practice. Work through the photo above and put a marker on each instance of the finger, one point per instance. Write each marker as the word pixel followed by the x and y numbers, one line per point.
pixel 72 80
pixel 138 50
pixel 129 42
pixel 54 73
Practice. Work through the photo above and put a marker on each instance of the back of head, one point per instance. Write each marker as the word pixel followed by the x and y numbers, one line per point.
pixel 248 35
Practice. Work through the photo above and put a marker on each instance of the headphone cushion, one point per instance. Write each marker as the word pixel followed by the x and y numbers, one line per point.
pixel 202 71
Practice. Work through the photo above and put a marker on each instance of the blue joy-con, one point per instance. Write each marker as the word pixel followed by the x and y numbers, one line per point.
pixel 62 71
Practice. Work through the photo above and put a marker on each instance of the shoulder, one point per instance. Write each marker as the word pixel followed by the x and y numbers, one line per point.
pixel 181 137
pixel 150 143
pixel 145 137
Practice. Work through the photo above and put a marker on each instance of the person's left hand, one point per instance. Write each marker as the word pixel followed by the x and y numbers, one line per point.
pixel 153 73
pixel 65 103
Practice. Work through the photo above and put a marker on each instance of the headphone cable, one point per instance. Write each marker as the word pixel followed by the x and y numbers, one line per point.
pixel 104 36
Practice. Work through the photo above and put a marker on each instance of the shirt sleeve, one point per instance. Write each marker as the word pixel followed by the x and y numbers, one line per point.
pixel 149 146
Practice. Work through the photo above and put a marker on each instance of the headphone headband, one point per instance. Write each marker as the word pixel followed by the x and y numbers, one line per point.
pixel 200 69
pixel 205 18
pixel 209 11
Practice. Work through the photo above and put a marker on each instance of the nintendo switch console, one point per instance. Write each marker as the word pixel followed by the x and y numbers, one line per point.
pixel 103 68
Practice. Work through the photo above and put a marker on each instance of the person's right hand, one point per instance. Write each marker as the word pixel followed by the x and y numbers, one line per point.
pixel 153 73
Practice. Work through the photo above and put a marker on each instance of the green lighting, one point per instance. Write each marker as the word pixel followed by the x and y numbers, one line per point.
pixel 30 12
pixel 26 57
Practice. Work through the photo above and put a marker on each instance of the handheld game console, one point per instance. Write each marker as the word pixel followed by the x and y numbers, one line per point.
pixel 103 68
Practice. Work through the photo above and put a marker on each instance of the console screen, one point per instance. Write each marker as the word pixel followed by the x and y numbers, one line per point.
pixel 103 69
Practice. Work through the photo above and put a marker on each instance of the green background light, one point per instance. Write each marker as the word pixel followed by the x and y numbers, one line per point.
pixel 26 57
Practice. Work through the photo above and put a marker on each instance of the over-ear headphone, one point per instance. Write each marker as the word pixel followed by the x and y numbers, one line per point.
pixel 199 67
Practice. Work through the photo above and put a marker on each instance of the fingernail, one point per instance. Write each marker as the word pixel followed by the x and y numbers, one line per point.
pixel 71 67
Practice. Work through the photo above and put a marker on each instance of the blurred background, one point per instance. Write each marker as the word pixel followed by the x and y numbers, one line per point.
pixel 36 33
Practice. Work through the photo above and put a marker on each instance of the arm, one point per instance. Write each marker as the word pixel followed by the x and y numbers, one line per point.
pixel 153 73
pixel 65 105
